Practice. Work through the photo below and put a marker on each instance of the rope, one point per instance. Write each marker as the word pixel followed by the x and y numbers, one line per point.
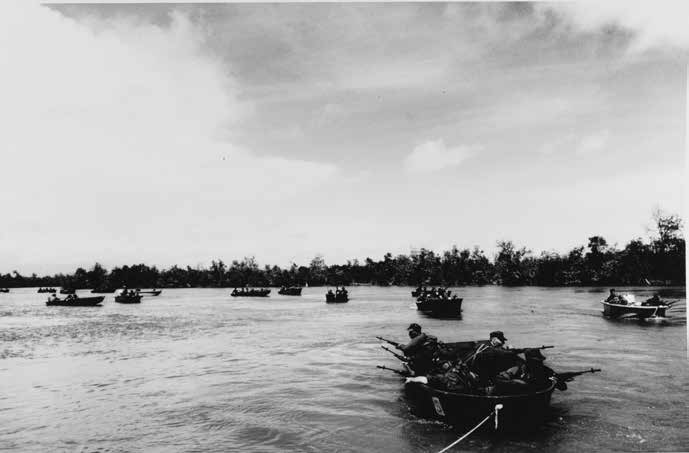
pixel 495 411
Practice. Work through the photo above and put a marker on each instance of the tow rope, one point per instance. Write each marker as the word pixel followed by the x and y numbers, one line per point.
pixel 494 412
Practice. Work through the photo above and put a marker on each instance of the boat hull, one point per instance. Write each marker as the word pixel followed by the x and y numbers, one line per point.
pixel 128 299
pixel 441 307
pixel 151 293
pixel 639 311
pixel 336 298
pixel 290 292
pixel 255 293
pixel 80 302
pixel 519 412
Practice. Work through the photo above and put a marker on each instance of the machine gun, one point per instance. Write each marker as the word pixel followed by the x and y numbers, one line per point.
pixel 397 356
pixel 570 375
pixel 401 373
pixel 394 343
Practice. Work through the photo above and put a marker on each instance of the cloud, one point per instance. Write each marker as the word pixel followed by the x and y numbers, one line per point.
pixel 593 143
pixel 655 24
pixel 123 124
pixel 433 155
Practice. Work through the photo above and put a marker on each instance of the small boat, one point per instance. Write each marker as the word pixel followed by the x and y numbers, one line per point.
pixel 290 291
pixel 519 412
pixel 332 298
pixel 617 310
pixel 103 290
pixel 154 292
pixel 252 292
pixel 67 291
pixel 128 298
pixel 77 302
pixel 451 307
pixel 46 290
pixel 4 290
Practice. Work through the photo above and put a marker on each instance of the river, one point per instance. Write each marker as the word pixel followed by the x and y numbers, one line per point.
pixel 198 370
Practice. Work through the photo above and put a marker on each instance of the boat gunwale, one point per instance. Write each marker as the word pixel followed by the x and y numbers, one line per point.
pixel 549 389
pixel 636 307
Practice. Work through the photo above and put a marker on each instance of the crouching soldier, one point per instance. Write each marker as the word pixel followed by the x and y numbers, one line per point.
pixel 420 350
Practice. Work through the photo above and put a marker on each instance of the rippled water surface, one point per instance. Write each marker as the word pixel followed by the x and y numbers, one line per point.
pixel 197 370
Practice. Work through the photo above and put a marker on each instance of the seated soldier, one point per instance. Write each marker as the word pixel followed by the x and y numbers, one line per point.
pixel 653 301
pixel 453 378
pixel 612 297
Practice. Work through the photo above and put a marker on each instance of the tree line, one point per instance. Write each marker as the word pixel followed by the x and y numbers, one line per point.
pixel 658 261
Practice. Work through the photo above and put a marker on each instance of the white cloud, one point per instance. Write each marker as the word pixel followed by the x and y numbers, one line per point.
pixel 658 23
pixel 593 143
pixel 121 124
pixel 433 155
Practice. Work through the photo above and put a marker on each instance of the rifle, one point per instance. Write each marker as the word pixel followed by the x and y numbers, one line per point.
pixel 399 357
pixel 522 350
pixel 570 375
pixel 394 343
pixel 401 373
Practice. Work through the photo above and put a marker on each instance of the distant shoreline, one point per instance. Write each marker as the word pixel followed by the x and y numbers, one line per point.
pixel 658 262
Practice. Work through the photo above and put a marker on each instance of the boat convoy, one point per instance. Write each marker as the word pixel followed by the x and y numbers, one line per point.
pixel 461 383
pixel 73 300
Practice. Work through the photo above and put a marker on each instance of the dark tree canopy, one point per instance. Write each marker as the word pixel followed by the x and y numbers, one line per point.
pixel 661 261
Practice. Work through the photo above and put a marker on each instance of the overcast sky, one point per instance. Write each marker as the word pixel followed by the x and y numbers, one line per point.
pixel 180 134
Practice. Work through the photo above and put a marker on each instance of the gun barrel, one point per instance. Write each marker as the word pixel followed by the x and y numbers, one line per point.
pixel 394 343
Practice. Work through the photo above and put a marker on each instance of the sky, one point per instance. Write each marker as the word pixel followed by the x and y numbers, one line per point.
pixel 182 133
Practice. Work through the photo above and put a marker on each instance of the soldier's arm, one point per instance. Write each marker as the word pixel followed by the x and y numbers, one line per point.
pixel 419 339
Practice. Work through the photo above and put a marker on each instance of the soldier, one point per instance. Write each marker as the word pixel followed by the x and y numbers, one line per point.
pixel 421 349
pixel 498 340
pixel 453 377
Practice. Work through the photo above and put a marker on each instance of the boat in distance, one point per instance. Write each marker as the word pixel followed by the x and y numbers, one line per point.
pixel 154 292
pixel 290 291
pixel 613 310
pixel 128 299
pixel 336 298
pixel 440 307
pixel 251 292
pixel 77 302
pixel 103 290
pixel 67 291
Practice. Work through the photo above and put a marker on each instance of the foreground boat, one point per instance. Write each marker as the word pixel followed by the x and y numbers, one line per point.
pixel 291 291
pixel 128 299
pixel 517 405
pixel 519 412
pixel 441 307
pixel 250 293
pixel 77 302
pixel 612 310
